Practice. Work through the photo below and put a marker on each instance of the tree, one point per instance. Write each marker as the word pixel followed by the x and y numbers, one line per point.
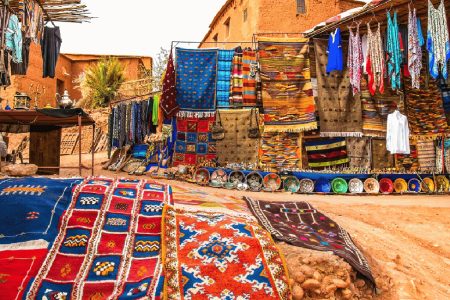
pixel 159 68
pixel 104 80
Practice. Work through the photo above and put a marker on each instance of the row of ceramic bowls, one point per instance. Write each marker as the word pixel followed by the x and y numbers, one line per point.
pixel 254 181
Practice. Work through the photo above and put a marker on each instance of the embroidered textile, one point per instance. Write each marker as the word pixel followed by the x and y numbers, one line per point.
pixel 335 53
pixel 224 64
pixel 394 55
pixel 438 42
pixel 237 147
pixel 31 208
pixel 108 245
pixel 300 224
pixel 196 79
pixel 327 153
pixel 355 59
pixel 339 110
pixel 203 250
pixel 375 66
pixel 237 82
pixel 381 158
pixel 286 86
pixel 358 152
pixel 414 49
pixel 168 101
pixel 281 151
pixel 194 144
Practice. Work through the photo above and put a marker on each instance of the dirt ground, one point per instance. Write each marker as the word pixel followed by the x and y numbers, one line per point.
pixel 405 237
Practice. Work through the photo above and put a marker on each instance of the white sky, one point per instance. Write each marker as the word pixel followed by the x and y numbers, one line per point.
pixel 140 27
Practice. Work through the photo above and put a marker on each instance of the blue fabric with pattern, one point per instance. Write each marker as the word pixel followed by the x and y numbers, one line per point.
pixel 224 66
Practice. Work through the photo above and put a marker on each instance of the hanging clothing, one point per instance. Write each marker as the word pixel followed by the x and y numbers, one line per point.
pixel 414 49
pixel 419 33
pixel 13 37
pixel 365 54
pixel 21 68
pixel 50 46
pixel 375 66
pixel 438 43
pixel 5 58
pixel 394 54
pixel 355 59
pixel 335 53
pixel 155 111
pixel 397 137
pixel 168 101
pixel 249 68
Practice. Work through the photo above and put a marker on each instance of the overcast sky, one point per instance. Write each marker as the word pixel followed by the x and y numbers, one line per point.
pixel 138 27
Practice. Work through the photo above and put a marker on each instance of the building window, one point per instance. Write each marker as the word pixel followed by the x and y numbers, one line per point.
pixel 245 15
pixel 301 7
pixel 227 27
pixel 216 37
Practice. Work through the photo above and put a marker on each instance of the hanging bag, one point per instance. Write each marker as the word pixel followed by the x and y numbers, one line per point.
pixel 217 130
pixel 253 131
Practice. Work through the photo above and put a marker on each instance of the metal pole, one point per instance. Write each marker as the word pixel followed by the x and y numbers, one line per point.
pixel 79 144
pixel 93 148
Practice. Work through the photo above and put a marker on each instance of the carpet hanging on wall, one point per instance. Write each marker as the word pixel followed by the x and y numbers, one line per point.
pixel 281 150
pixel 381 158
pixel 358 151
pixel 286 86
pixel 326 153
pixel 339 111
pixel 225 58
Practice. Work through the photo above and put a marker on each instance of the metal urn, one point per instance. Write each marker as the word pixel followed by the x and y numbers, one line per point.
pixel 64 101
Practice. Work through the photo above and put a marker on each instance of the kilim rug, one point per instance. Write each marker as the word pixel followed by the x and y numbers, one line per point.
pixel 217 256
pixel 196 79
pixel 381 158
pixel 300 224
pixel 194 143
pixel 425 112
pixel 281 150
pixel 237 82
pixel 426 153
pixel 31 208
pixel 286 86
pixel 358 152
pixel 339 111
pixel 249 70
pixel 237 147
pixel 225 58
pixel 408 162
pixel 109 243
pixel 326 153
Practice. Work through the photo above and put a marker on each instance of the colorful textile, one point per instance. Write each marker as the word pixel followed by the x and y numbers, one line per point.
pixel 196 79
pixel 194 143
pixel 381 158
pixel 168 101
pixel 394 55
pixel 327 153
pixel 335 53
pixel 217 256
pixel 300 224
pixel 414 48
pixel 249 70
pixel 237 82
pixel 358 152
pixel 31 208
pixel 281 151
pixel 438 42
pixel 444 85
pixel 355 59
pixel 425 112
pixel 13 37
pixel 375 65
pixel 408 162
pixel 225 59
pixel 426 152
pixel 339 110
pixel 286 86
pixel 237 147
pixel 108 245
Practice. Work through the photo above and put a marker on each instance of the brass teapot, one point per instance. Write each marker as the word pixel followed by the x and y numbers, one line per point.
pixel 64 101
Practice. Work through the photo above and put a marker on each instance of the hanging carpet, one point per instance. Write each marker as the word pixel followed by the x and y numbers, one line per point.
pixel 281 150
pixel 325 153
pixel 358 151
pixel 286 86
pixel 196 79
pixel 339 111
pixel 224 63
pixel 300 224
pixel 381 158
pixel 408 162
pixel 210 255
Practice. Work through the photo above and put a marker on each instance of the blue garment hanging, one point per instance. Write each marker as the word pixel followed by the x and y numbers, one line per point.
pixel 393 51
pixel 419 32
pixel 335 53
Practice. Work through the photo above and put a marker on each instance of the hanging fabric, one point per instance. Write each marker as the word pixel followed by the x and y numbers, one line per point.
pixel 237 84
pixel 394 55
pixel 168 101
pixel 50 46
pixel 224 65
pixel 375 66
pixel 355 59
pixel 335 53
pixel 249 68
pixel 13 37
pixel 397 137
pixel 438 43
pixel 5 58
pixel 414 49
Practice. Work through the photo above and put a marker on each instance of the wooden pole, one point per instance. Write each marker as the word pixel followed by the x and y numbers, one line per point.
pixel 79 144
pixel 93 148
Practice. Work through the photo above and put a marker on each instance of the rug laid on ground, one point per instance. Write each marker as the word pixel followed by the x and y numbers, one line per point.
pixel 286 86
pixel 109 243
pixel 196 79
pixel 211 255
pixel 237 146
pixel 281 150
pixel 31 209
pixel 339 111
pixel 300 224
pixel 224 63
pixel 326 153
pixel 358 152
pixel 194 143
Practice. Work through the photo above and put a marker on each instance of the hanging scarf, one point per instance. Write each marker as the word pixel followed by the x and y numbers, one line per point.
pixel 438 43
pixel 237 83
pixel 393 51
pixel 414 49
pixel 168 102
pixel 375 66
pixel 355 59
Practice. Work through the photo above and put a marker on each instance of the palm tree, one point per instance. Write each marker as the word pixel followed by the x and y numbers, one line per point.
pixel 104 80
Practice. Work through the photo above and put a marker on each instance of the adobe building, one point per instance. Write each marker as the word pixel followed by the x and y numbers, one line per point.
pixel 68 69
pixel 238 20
